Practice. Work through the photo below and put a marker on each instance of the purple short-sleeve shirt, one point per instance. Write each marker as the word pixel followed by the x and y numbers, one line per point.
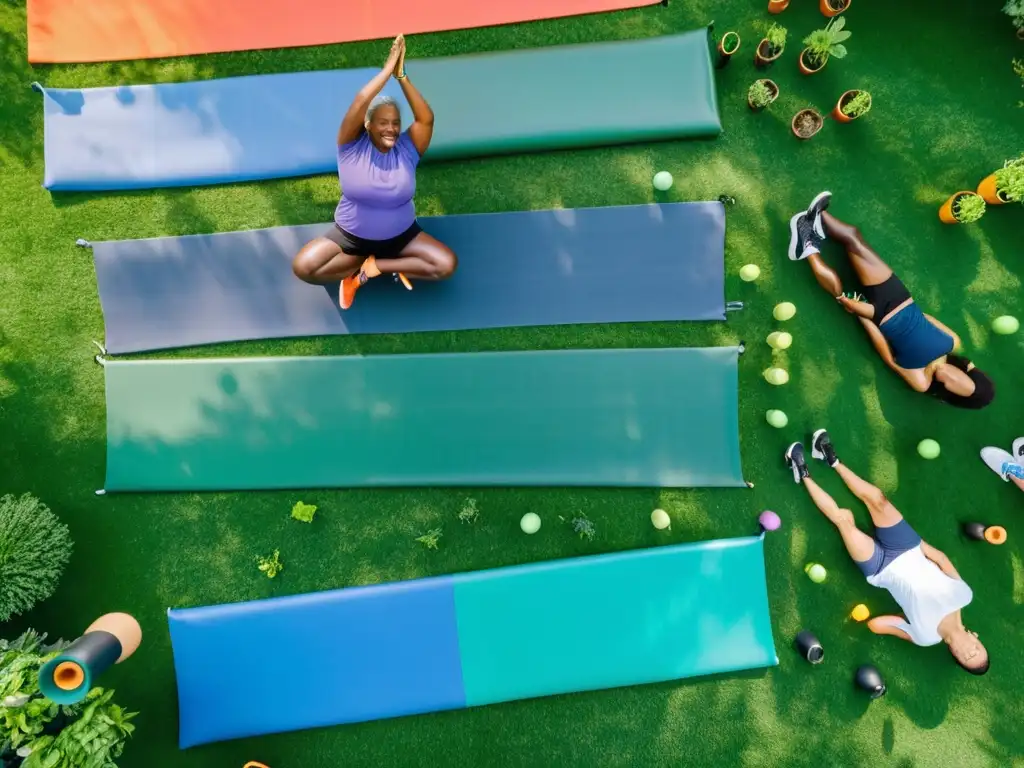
pixel 376 188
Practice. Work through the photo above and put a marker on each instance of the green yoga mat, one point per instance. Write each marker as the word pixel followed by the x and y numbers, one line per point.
pixel 627 417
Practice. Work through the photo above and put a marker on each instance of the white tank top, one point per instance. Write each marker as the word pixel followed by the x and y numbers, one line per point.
pixel 924 592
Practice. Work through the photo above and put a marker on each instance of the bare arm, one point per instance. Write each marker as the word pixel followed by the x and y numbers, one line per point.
pixel 422 128
pixel 886 625
pixel 940 559
pixel 945 328
pixel 919 379
pixel 353 122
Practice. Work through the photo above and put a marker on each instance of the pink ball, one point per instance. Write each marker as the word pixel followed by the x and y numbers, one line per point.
pixel 769 520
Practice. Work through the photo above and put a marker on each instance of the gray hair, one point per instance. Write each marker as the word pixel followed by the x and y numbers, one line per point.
pixel 381 101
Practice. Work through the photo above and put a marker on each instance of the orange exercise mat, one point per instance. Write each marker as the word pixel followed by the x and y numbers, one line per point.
pixel 113 30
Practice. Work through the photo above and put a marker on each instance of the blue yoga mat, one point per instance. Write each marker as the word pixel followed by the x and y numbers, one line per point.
pixel 472 639
pixel 530 268
pixel 278 125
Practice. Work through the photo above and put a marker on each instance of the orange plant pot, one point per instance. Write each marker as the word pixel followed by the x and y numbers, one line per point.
pixel 777 6
pixel 837 113
pixel 827 10
pixel 946 211
pixel 806 69
pixel 988 192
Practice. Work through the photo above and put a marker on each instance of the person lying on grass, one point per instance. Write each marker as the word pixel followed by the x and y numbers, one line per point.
pixel 1008 465
pixel 918 576
pixel 914 344
pixel 375 229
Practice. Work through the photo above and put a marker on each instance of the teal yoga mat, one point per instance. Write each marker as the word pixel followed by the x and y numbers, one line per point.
pixel 621 619
pixel 626 417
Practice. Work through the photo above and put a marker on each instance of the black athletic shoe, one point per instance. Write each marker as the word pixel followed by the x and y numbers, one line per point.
pixel 803 240
pixel 819 204
pixel 822 448
pixel 795 460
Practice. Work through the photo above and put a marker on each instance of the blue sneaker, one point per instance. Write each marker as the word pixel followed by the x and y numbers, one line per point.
pixel 1002 463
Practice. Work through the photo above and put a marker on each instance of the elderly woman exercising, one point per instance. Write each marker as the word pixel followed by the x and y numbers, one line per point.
pixel 375 229
pixel 915 345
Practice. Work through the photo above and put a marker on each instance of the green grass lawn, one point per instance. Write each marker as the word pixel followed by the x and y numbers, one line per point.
pixel 945 115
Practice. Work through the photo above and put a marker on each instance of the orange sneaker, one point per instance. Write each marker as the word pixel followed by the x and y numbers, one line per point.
pixel 349 286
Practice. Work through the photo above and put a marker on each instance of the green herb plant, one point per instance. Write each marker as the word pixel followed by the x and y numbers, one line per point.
pixel 968 208
pixel 581 525
pixel 430 539
pixel 1010 180
pixel 270 565
pixel 730 42
pixel 859 104
pixel 1015 10
pixel 823 44
pixel 760 95
pixel 469 512
pixel 35 546
pixel 303 512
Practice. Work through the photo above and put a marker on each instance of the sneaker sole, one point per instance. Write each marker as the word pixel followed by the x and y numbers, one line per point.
pixel 1018 448
pixel 817 221
pixel 815 453
pixel 794 243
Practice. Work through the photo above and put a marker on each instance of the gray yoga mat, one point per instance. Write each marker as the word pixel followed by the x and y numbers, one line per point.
pixel 556 267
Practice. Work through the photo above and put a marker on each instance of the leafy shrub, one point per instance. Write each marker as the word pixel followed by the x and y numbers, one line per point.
pixel 430 539
pixel 828 42
pixel 581 525
pixel 760 95
pixel 1015 10
pixel 34 548
pixel 469 512
pixel 774 33
pixel 303 512
pixel 270 565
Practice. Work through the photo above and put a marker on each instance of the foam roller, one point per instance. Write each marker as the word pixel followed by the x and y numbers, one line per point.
pixel 109 640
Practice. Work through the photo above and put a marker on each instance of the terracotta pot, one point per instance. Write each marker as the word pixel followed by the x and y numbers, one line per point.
pixel 989 193
pixel 770 84
pixel 725 56
pixel 762 59
pixel 807 70
pixel 837 113
pixel 829 11
pixel 946 211
pixel 777 6
pixel 817 119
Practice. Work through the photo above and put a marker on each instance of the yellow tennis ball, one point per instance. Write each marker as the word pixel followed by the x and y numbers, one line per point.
pixel 776 376
pixel 750 272
pixel 784 311
pixel 860 613
pixel 1005 325
pixel 660 519
pixel 530 522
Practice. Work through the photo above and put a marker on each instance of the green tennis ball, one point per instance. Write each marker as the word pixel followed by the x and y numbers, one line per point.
pixel 530 522
pixel 662 181
pixel 777 419
pixel 816 572
pixel 776 376
pixel 928 448
pixel 749 273
pixel 660 519
pixel 784 311
pixel 1005 325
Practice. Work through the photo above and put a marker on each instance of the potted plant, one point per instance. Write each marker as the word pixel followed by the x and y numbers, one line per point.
pixel 762 93
pixel 833 7
pixel 1005 185
pixel 806 123
pixel 851 105
pixel 962 208
pixel 727 47
pixel 34 548
pixel 1015 10
pixel 823 44
pixel 777 6
pixel 771 45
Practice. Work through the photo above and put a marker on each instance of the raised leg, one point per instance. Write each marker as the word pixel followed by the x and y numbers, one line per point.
pixel 1018 482
pixel 424 258
pixel 322 261
pixel 868 265
pixel 883 513
pixel 860 546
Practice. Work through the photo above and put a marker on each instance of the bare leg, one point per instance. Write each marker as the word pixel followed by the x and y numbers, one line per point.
pixel 1018 482
pixel 322 261
pixel 883 513
pixel 826 276
pixel 860 546
pixel 870 268
pixel 424 258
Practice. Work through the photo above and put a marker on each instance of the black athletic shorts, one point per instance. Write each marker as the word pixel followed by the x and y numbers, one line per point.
pixel 885 296
pixel 382 249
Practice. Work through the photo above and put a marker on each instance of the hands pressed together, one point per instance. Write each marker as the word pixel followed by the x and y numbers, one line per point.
pixel 396 59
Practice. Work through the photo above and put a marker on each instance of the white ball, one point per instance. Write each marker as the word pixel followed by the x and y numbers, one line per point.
pixel 660 519
pixel 662 181
pixel 530 522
